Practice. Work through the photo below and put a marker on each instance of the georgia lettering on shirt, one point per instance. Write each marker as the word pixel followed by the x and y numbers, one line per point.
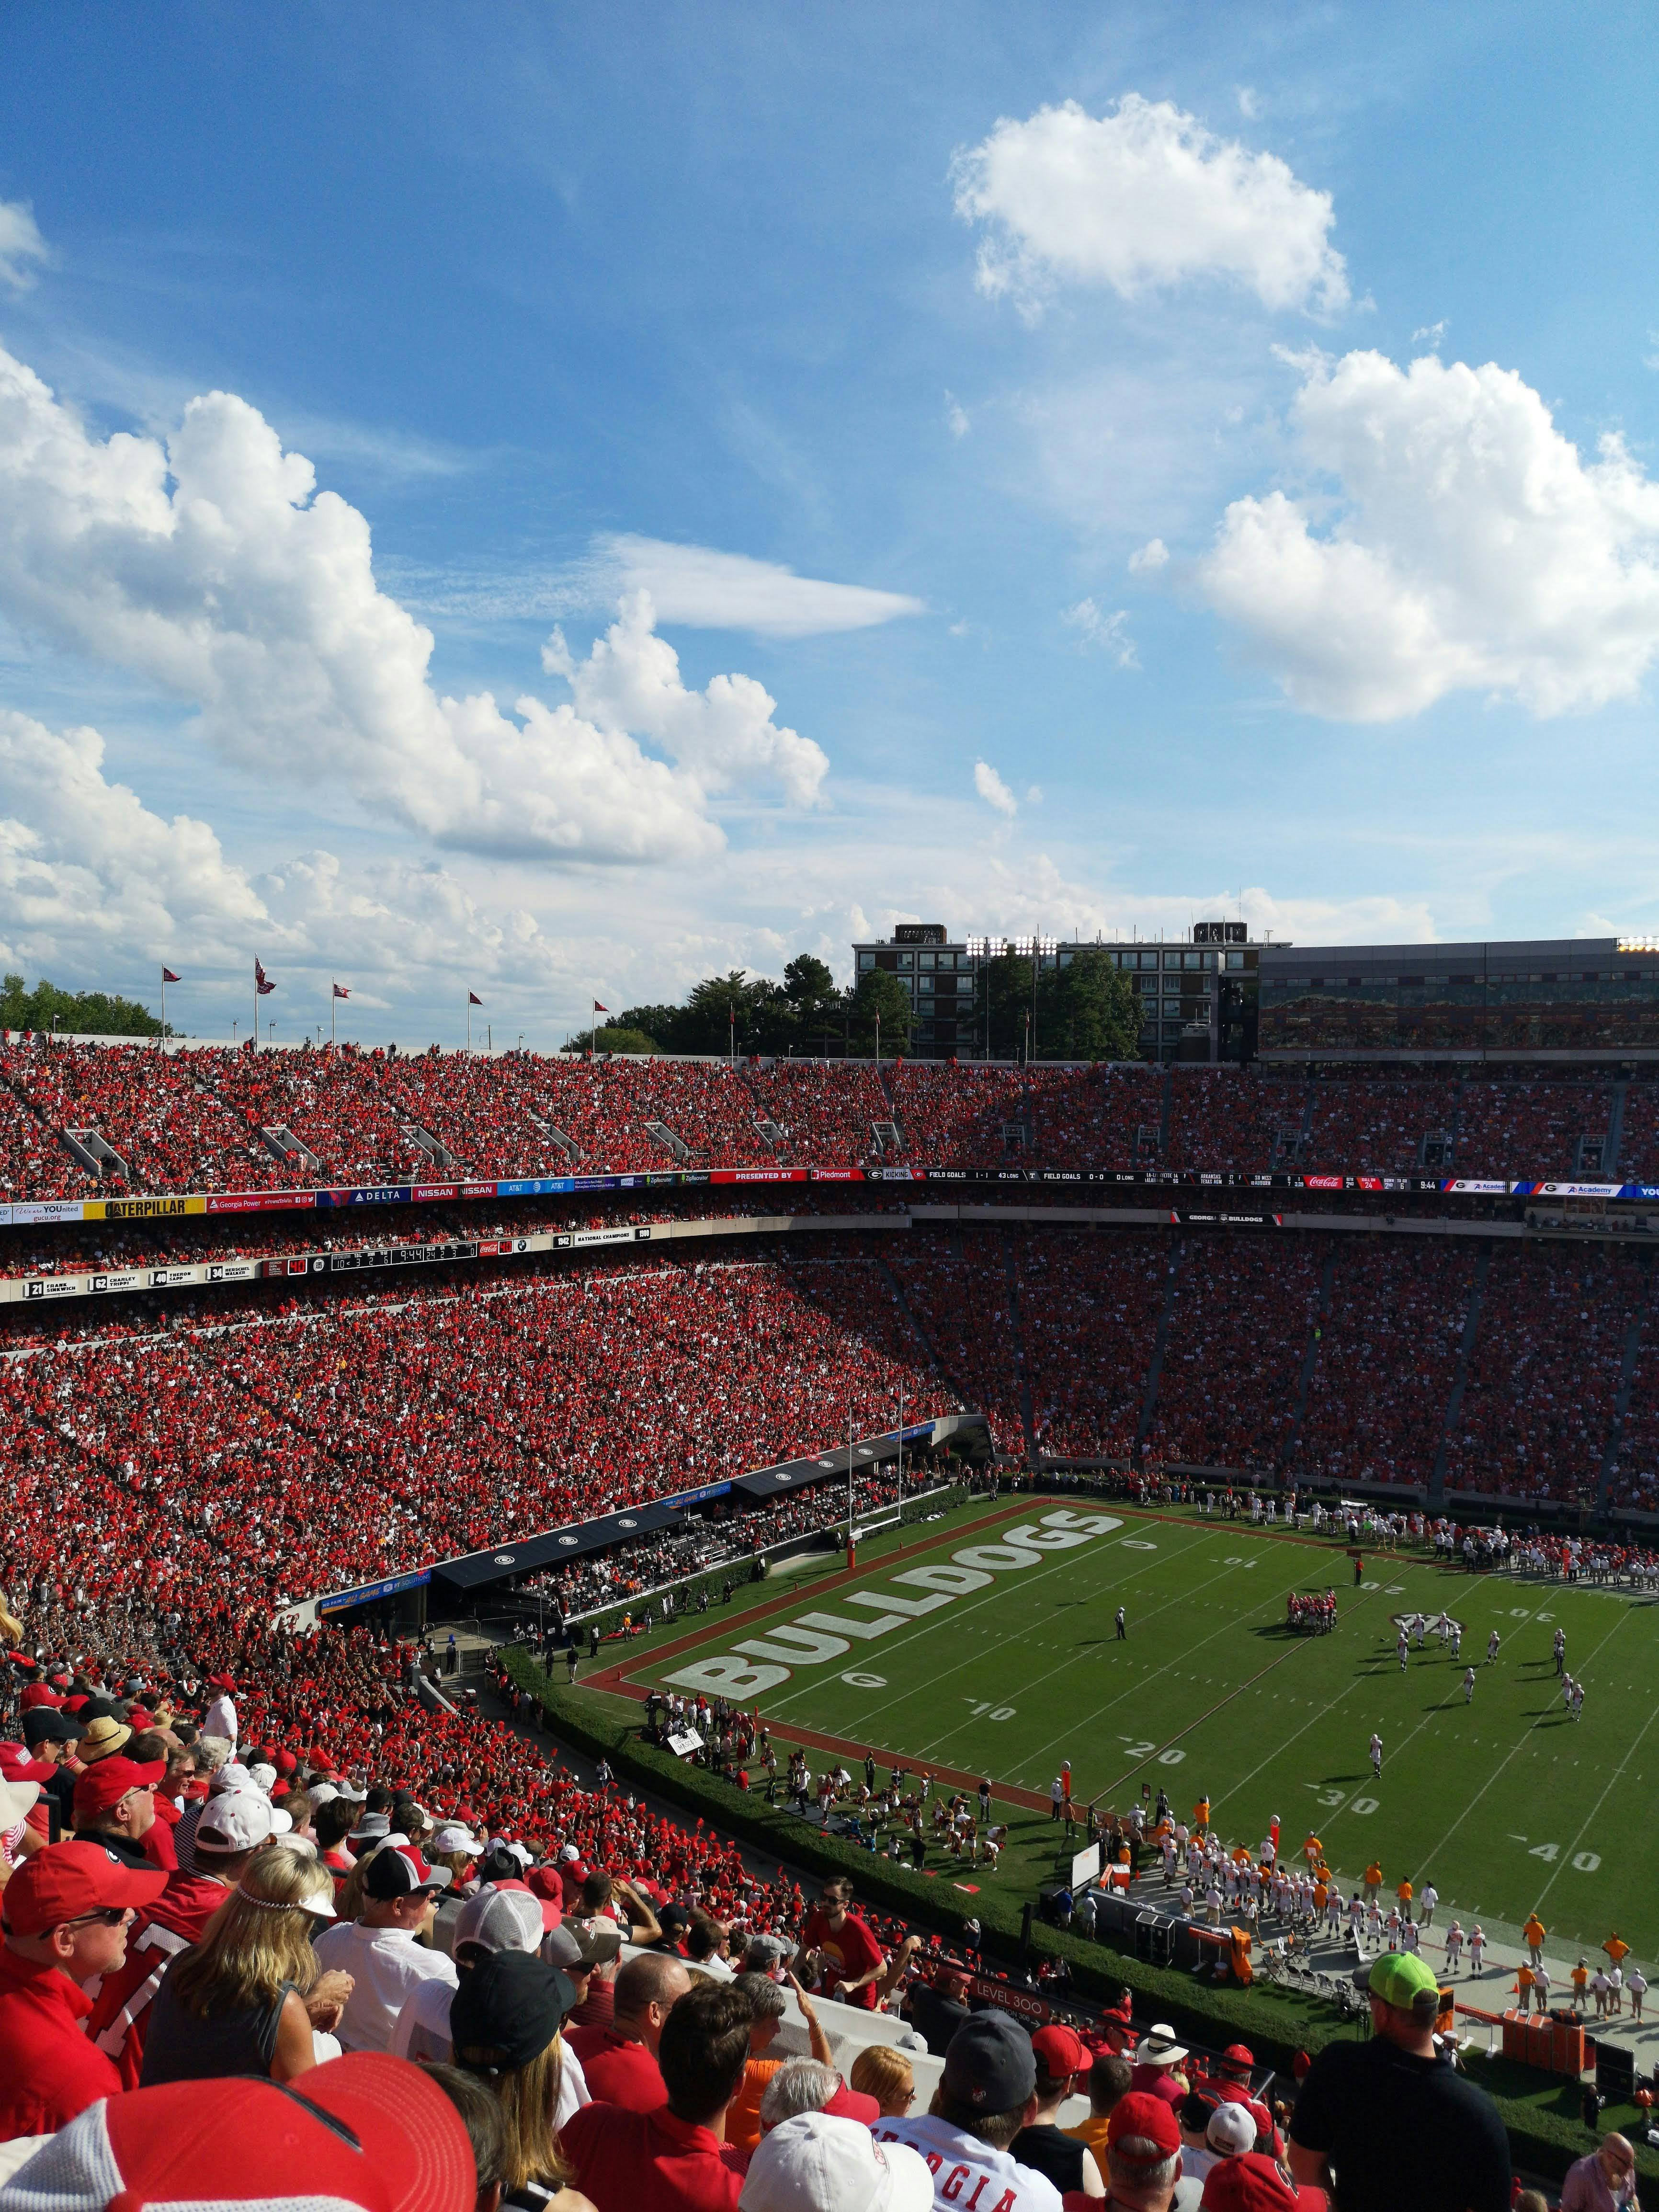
pixel 969 2174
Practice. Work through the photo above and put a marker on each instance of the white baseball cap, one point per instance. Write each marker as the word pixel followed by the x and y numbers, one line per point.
pixel 816 2162
pixel 240 1820
pixel 321 1793
pixel 500 1920
pixel 230 1776
pixel 1232 2129
pixel 263 1777
pixel 453 1837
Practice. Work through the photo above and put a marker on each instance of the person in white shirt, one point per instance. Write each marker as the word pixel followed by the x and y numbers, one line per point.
pixel 220 1718
pixel 1637 1983
pixel 400 1893
pixel 1428 1898
pixel 985 2094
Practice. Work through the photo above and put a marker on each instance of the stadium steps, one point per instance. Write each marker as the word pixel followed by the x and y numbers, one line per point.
pixel 1621 1404
pixel 1165 1109
pixel 1027 1421
pixel 1615 1128
pixel 937 1365
pixel 91 1150
pixel 1155 1367
pixel 1309 1361
pixel 1437 1498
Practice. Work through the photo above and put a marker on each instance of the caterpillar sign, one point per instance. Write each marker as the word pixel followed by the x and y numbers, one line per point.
pixel 759 1663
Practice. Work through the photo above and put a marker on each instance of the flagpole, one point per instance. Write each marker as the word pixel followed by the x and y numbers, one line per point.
pixel 469 1021
pixel 164 1002
pixel 256 1006
pixel 333 1009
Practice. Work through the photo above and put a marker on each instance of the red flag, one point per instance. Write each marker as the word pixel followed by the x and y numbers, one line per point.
pixel 341 992
pixel 167 976
pixel 473 999
pixel 262 982
pixel 599 1009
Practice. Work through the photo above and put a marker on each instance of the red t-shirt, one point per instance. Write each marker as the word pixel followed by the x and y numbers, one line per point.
pixel 848 1951
pixel 49 2071
pixel 618 2073
pixel 628 2158
pixel 121 2001
pixel 1156 2082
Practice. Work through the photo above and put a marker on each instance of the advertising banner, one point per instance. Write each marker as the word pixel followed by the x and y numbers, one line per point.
pixel 370 1591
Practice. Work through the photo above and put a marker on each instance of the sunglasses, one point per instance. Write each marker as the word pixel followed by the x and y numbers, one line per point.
pixel 107 1915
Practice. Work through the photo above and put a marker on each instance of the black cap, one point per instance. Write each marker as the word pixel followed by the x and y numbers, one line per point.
pixel 506 2009
pixel 989 2062
pixel 673 1920
pixel 46 1724
pixel 98 1708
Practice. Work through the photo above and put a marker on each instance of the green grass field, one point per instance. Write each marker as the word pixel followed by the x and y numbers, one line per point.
pixel 1506 1803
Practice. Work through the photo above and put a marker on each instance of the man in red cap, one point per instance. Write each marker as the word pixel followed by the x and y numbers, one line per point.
pixel 1142 2154
pixel 115 1805
pixel 1061 2058
pixel 368 2130
pixel 66 1915
pixel 1231 2083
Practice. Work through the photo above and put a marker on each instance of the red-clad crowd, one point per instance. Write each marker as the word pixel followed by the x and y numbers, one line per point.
pixel 1538 1396
pixel 194 1119
pixel 244 1452
pixel 1376 1408
pixel 1078 1294
pixel 1240 1326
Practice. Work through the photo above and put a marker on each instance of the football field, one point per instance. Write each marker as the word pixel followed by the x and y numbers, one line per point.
pixel 988 1647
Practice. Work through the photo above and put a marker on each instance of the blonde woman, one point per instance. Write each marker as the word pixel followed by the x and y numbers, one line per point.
pixel 504 2020
pixel 247 1997
pixel 881 2072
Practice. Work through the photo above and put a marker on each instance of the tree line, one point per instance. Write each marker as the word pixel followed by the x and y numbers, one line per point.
pixel 75 1013
pixel 1085 1010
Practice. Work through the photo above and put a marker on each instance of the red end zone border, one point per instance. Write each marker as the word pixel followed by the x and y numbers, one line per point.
pixel 618 1680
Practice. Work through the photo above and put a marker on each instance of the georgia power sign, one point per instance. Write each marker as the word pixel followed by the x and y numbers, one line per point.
pixel 813 1639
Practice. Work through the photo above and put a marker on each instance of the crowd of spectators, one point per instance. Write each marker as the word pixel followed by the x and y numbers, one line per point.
pixel 1089 1312
pixel 245 1451
pixel 1376 1401
pixel 1240 1326
pixel 191 1119
pixel 1543 1378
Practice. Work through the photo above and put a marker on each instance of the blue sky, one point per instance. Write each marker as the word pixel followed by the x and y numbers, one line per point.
pixel 1213 454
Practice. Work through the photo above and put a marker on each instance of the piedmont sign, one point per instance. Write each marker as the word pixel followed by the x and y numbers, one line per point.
pixel 759 1663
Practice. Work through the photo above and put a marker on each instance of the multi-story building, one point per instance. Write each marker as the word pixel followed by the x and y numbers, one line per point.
pixel 1197 993
pixel 1548 998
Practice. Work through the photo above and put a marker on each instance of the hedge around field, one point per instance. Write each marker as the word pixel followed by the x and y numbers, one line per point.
pixel 1545 2130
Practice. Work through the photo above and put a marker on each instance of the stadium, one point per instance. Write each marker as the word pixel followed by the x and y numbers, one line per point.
pixel 906 1467
pixel 829 1108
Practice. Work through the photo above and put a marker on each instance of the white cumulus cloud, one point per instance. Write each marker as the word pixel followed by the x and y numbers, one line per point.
pixel 993 790
pixel 214 567
pixel 87 871
pixel 1107 632
pixel 1143 198
pixel 1472 549
pixel 21 243
pixel 1148 559
pixel 956 416
pixel 724 735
